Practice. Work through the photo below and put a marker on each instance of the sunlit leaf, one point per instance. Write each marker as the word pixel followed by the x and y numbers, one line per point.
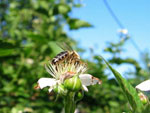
pixel 61 9
pixel 76 24
pixel 78 5
pixel 128 90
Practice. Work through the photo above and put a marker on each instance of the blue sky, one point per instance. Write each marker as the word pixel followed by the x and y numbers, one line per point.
pixel 134 14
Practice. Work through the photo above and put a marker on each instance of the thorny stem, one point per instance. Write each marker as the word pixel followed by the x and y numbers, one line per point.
pixel 70 104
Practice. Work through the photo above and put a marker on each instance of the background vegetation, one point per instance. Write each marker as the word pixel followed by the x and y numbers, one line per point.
pixel 29 30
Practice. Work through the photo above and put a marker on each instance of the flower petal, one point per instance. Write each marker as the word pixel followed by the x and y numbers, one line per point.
pixel 88 80
pixel 50 89
pixel 44 82
pixel 144 86
pixel 85 88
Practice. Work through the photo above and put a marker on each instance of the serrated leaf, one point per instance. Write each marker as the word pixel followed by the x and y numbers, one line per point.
pixel 128 90
pixel 76 24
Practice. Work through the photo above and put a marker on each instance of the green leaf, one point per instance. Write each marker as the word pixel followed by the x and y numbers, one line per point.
pixel 128 90
pixel 76 24
pixel 78 5
pixel 147 109
pixel 61 9
pixel 36 37
pixel 6 52
pixel 6 49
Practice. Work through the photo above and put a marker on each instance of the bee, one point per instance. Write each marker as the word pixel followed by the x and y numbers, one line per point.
pixel 67 54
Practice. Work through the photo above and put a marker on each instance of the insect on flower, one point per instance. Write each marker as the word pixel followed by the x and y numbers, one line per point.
pixel 68 53
pixel 67 65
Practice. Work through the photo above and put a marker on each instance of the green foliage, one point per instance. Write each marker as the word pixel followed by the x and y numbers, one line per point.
pixel 147 109
pixel 29 30
pixel 7 49
pixel 61 9
pixel 29 33
pixel 76 23
pixel 128 90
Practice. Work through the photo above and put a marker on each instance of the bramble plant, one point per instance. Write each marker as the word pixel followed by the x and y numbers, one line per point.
pixel 69 82
pixel 68 79
pixel 29 30
pixel 138 101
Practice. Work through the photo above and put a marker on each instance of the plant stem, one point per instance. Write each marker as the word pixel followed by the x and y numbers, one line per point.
pixel 70 103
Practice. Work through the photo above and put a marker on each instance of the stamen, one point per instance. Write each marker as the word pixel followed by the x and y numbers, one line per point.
pixel 69 65
pixel 49 70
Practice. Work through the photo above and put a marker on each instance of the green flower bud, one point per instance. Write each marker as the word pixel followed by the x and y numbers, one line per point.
pixel 79 95
pixel 60 89
pixel 143 98
pixel 73 84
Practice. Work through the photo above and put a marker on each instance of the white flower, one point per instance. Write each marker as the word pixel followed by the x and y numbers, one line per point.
pixel 64 70
pixel 144 86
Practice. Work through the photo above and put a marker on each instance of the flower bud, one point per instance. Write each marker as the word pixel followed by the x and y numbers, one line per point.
pixel 143 98
pixel 73 84
pixel 60 89
pixel 79 95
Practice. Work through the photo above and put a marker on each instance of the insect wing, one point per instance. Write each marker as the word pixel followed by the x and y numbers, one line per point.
pixel 64 46
pixel 144 86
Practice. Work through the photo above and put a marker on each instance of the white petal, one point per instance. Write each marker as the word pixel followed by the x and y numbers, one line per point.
pixel 88 79
pixel 85 88
pixel 50 89
pixel 44 82
pixel 144 86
